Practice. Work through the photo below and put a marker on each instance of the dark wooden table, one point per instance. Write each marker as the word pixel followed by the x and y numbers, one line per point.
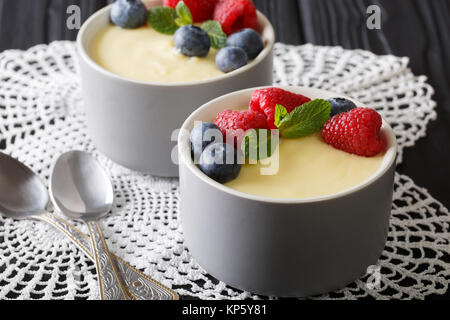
pixel 418 29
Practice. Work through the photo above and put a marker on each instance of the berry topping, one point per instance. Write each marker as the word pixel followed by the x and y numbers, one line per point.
pixel 235 123
pixel 235 15
pixel 192 41
pixel 231 58
pixel 265 101
pixel 249 40
pixel 128 14
pixel 202 135
pixel 340 105
pixel 201 9
pixel 356 131
pixel 221 162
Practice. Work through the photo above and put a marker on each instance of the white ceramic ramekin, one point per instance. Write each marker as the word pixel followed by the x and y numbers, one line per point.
pixel 132 122
pixel 289 248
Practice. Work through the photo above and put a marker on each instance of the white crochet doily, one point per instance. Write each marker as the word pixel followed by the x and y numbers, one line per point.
pixel 41 116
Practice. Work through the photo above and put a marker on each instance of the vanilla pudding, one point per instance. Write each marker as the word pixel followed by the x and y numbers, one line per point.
pixel 308 167
pixel 144 54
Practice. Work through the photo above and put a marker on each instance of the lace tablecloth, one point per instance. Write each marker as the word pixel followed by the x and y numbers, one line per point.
pixel 41 116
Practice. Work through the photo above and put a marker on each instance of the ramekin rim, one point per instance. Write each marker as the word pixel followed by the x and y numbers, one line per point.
pixel 253 64
pixel 185 157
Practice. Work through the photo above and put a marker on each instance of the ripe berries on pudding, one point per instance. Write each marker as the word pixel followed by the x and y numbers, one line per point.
pixel 195 40
pixel 129 14
pixel 201 136
pixel 249 40
pixel 356 131
pixel 340 105
pixel 221 162
pixel 246 135
pixel 265 100
pixel 235 15
pixel 229 59
pixel 201 9
pixel 234 123
pixel 192 41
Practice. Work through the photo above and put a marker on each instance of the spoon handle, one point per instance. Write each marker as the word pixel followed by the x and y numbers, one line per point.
pixel 109 280
pixel 139 286
pixel 80 239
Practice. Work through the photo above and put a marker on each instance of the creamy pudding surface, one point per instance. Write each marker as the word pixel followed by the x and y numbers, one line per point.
pixel 308 167
pixel 144 54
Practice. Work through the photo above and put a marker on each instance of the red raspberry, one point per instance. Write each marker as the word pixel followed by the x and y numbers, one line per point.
pixel 265 100
pixel 356 131
pixel 235 123
pixel 235 15
pixel 201 9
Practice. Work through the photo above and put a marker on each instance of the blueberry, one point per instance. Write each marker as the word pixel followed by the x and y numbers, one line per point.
pixel 192 41
pixel 249 40
pixel 340 105
pixel 221 162
pixel 203 135
pixel 231 58
pixel 129 14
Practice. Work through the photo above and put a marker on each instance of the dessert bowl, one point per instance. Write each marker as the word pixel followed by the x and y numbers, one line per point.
pixel 283 247
pixel 133 122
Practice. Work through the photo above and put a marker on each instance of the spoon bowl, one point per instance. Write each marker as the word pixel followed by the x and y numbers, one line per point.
pixel 22 192
pixel 80 188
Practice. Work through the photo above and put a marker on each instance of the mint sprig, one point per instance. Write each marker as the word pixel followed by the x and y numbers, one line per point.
pixel 162 19
pixel 304 120
pixel 167 20
pixel 280 113
pixel 184 15
pixel 259 144
pixel 216 34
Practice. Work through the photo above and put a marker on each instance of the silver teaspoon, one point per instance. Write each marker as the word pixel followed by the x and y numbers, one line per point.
pixel 24 196
pixel 81 189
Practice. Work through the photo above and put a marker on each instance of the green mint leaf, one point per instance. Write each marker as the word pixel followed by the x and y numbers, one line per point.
pixel 162 19
pixel 216 34
pixel 280 113
pixel 184 15
pixel 305 120
pixel 259 144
